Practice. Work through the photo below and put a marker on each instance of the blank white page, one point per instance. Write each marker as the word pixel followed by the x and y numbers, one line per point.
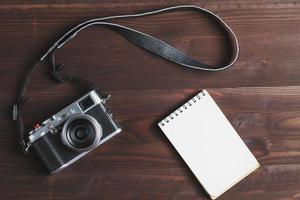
pixel 208 144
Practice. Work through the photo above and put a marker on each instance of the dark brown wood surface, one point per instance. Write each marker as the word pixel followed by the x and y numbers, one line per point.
pixel 260 95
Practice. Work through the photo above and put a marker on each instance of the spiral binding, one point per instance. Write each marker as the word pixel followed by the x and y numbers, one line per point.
pixel 182 108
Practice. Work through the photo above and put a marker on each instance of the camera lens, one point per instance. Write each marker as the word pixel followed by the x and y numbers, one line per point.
pixel 81 133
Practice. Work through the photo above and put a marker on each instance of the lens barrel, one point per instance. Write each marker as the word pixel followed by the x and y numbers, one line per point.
pixel 81 133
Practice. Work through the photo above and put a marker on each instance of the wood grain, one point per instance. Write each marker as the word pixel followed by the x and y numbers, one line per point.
pixel 260 95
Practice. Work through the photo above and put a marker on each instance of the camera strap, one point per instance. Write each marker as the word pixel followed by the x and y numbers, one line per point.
pixel 141 39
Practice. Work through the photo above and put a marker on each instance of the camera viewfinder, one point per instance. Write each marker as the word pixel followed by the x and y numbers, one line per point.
pixel 86 103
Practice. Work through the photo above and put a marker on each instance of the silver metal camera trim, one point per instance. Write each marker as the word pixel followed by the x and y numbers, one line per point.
pixel 84 153
pixel 56 120
pixel 62 116
pixel 96 125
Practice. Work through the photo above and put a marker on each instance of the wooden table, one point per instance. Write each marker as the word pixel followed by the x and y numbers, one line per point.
pixel 260 95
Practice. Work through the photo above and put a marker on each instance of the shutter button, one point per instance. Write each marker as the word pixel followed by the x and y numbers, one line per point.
pixel 37 126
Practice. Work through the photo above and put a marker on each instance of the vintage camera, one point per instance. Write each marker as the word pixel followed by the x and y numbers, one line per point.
pixel 73 132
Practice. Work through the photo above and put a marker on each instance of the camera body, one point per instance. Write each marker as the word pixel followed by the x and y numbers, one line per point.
pixel 73 132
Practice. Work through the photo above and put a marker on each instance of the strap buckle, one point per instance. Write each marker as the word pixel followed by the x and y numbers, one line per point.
pixel 56 73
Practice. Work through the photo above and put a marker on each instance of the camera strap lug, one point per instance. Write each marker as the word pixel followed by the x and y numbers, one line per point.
pixel 106 98
pixel 25 146
pixel 52 129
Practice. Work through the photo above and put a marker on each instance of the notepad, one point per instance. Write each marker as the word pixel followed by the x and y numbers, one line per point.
pixel 208 144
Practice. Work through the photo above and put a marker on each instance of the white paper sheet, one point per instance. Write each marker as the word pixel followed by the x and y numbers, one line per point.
pixel 208 144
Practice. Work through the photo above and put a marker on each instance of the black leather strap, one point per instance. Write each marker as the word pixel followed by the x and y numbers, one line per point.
pixel 143 40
